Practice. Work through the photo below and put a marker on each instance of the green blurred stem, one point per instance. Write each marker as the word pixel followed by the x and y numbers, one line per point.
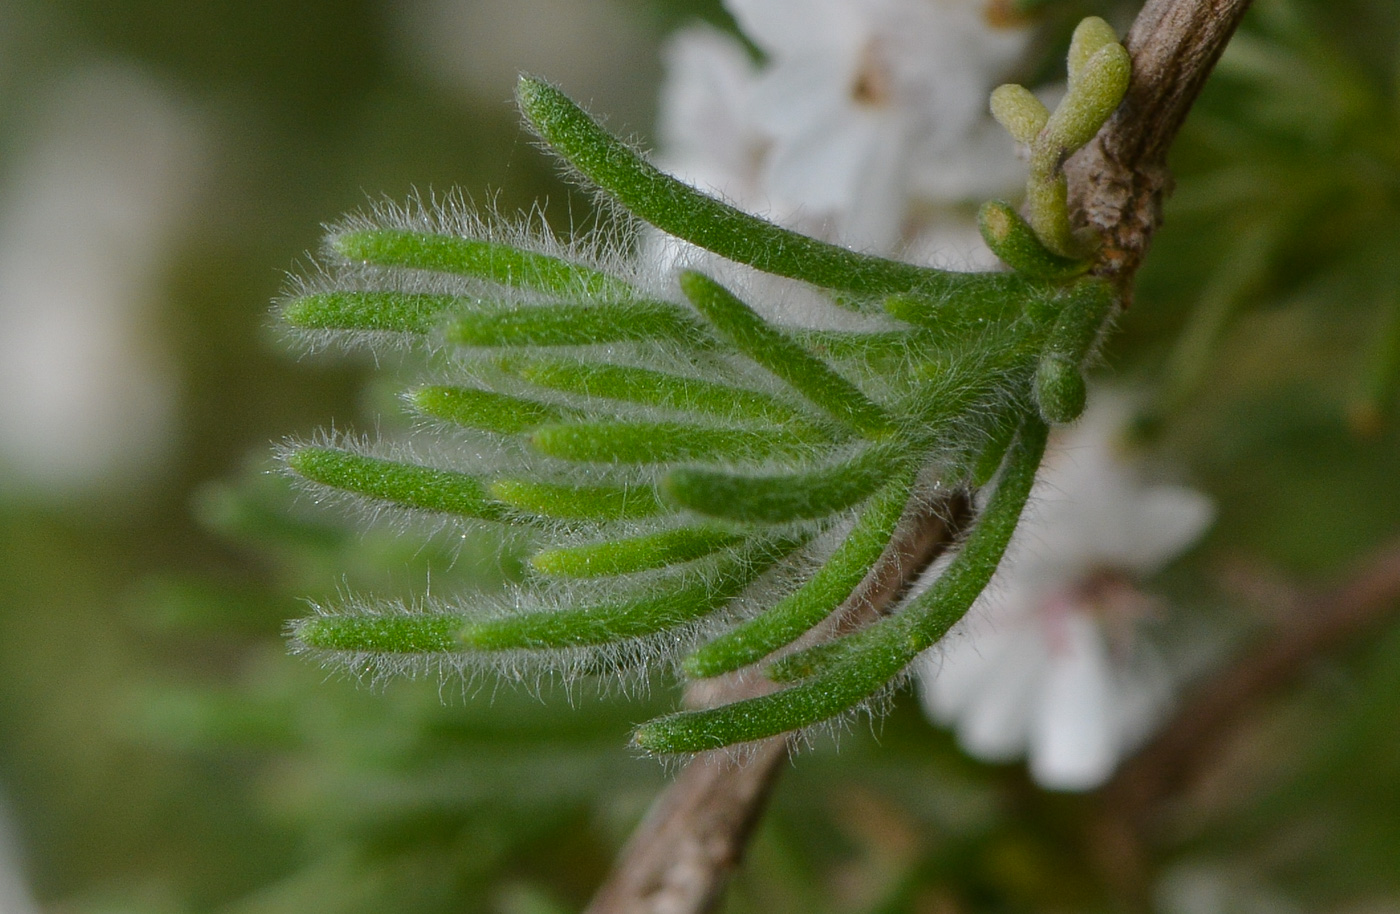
pixel 1380 379
pixel 1190 359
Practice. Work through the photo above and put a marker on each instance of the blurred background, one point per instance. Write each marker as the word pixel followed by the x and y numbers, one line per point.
pixel 165 165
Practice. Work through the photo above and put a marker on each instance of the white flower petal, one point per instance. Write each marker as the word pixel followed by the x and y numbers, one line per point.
pixel 1074 743
pixel 1140 699
pixel 951 244
pixel 794 99
pixel 993 726
pixel 783 27
pixel 875 217
pixel 1094 512
pixel 822 171
pixel 1166 520
pixel 955 671
pixel 704 103
pixel 982 163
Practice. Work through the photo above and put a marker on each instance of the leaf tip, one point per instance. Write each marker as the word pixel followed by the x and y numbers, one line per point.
pixel 1059 390
pixel 1019 111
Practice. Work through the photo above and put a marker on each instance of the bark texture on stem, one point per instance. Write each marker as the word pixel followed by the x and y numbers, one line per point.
pixel 680 858
pixel 1119 181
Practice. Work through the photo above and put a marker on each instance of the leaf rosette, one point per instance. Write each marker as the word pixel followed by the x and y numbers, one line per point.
pixel 705 487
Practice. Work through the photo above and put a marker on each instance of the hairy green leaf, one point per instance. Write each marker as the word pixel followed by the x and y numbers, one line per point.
pixel 1060 391
pixel 794 615
pixel 574 324
pixel 769 347
pixel 654 388
pixel 868 659
pixel 686 598
pixel 477 257
pixel 612 441
pixel 566 502
pixel 1013 240
pixel 679 209
pixel 394 312
pixel 487 410
pixel 405 484
pixel 775 498
pixel 637 553
pixel 388 633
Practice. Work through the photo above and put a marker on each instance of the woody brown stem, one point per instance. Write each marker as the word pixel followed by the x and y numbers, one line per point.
pixel 1118 182
pixel 680 858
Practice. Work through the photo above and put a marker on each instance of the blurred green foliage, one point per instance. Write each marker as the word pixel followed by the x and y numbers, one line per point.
pixel 162 754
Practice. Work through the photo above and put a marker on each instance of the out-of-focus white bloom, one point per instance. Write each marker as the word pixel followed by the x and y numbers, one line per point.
pixel 710 141
pixel 864 114
pixel 14 891
pixel 1201 888
pixel 706 135
pixel 950 240
pixel 863 96
pixel 89 209
pixel 1049 662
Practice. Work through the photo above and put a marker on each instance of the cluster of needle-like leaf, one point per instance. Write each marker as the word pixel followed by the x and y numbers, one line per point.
pixel 678 456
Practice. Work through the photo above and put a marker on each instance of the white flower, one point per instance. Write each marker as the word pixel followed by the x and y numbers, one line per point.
pixel 864 112
pixel 707 140
pixel 1049 662
pixel 862 97
pixel 94 200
